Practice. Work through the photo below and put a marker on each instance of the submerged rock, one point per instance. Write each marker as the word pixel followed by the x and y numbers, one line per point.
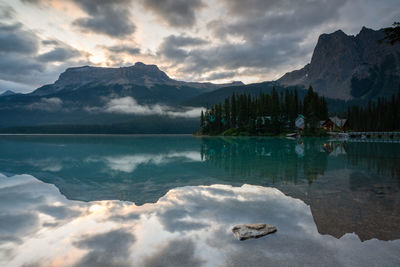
pixel 247 231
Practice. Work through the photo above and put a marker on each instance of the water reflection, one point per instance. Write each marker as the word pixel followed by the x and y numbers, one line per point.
pixel 266 160
pixel 349 187
pixel 189 226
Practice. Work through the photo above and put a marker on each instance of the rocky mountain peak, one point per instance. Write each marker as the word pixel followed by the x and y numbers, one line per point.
pixel 334 35
pixel 140 74
pixel 141 65
pixel 365 31
pixel 345 66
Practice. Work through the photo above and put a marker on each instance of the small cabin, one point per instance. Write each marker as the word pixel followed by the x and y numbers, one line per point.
pixel 299 122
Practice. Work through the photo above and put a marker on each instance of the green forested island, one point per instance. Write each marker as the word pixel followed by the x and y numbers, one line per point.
pixel 275 114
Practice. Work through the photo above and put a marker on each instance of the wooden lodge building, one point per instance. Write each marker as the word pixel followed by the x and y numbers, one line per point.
pixel 331 124
pixel 335 124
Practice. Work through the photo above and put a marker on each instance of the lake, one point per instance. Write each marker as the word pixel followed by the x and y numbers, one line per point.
pixel 173 200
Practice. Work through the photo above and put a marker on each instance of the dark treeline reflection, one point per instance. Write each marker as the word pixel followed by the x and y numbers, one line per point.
pixel 384 158
pixel 291 160
pixel 276 159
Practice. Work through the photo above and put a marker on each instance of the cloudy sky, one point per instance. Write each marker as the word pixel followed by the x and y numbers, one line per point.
pixel 194 40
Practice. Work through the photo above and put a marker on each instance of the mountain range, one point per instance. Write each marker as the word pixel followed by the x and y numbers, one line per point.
pixel 143 99
pixel 136 99
pixel 138 75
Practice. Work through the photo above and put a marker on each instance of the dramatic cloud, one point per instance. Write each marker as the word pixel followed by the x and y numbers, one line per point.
pixel 176 13
pixel 14 39
pixel 111 18
pixel 128 105
pixel 122 49
pixel 59 54
pixel 263 18
pixel 200 40
pixel 172 46
pixel 58 212
pixel 6 12
pixel 108 249
pixel 267 54
pixel 22 68
pixel 258 35
pixel 18 68
pixel 175 253
pixel 18 47
pixel 184 41
pixel 267 7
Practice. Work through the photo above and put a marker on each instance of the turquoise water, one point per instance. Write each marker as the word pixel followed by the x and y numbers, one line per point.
pixel 172 201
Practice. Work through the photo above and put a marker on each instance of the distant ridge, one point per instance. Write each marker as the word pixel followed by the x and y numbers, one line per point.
pixel 7 93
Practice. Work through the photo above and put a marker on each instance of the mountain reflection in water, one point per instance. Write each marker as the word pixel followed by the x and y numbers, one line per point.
pixel 333 195
pixel 189 226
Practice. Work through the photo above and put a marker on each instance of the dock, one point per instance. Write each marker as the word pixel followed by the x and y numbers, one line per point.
pixel 381 137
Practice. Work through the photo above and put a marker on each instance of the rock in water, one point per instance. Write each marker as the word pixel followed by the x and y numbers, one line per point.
pixel 246 231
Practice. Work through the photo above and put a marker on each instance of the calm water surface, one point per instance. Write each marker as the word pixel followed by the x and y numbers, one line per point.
pixel 172 201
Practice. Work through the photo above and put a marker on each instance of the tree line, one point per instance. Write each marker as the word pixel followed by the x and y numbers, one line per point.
pixel 382 115
pixel 266 114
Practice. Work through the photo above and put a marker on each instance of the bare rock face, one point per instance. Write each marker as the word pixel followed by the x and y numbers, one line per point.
pixel 346 67
pixel 257 230
pixel 139 74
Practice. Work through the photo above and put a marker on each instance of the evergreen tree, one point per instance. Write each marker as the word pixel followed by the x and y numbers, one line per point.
pixel 275 112
pixel 227 114
pixel 392 33
pixel 241 112
pixel 202 121
pixel 233 111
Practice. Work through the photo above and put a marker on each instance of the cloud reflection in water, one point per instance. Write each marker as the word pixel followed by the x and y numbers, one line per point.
pixel 129 163
pixel 188 226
